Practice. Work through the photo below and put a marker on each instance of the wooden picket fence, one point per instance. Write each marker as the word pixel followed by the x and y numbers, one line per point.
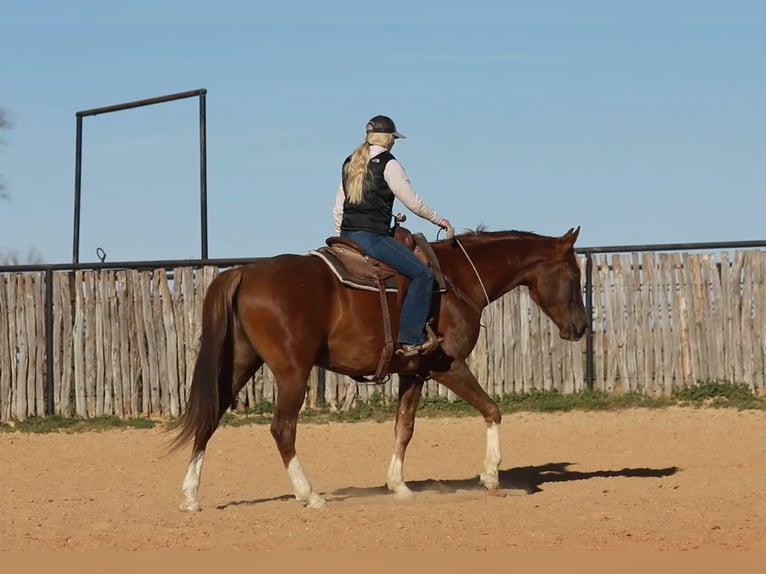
pixel 124 341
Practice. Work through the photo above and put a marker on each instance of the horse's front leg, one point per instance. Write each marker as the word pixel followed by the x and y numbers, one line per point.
pixel 462 382
pixel 283 429
pixel 410 388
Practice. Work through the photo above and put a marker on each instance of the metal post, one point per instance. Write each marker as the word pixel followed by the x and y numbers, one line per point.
pixel 49 387
pixel 589 313
pixel 77 187
pixel 203 171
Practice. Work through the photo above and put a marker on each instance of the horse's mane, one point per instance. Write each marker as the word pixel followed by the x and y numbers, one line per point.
pixel 481 232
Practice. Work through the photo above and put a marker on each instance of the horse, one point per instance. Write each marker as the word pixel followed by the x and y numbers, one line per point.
pixel 292 313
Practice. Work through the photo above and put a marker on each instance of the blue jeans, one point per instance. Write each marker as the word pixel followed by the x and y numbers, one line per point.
pixel 417 301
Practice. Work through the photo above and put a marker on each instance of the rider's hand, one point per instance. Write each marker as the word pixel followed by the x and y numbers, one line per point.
pixel 447 226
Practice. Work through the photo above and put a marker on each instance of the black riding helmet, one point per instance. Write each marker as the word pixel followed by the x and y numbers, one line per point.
pixel 383 125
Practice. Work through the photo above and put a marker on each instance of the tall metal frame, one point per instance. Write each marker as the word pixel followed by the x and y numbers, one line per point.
pixel 201 94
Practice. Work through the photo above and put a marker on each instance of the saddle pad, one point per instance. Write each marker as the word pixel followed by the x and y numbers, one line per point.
pixel 340 271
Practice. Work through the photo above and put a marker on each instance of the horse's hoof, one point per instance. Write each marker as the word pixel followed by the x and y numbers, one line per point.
pixel 496 492
pixel 187 506
pixel 489 482
pixel 316 501
pixel 403 495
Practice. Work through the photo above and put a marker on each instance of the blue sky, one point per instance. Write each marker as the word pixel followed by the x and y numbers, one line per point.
pixel 642 122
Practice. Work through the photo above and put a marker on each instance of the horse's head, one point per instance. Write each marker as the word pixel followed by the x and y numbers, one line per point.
pixel 554 285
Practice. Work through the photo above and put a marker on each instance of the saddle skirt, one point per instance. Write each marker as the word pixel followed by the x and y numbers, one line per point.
pixel 354 269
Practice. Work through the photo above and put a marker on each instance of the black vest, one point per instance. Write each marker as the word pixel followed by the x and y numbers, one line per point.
pixel 374 212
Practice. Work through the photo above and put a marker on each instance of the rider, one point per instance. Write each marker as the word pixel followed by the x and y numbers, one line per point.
pixel 371 179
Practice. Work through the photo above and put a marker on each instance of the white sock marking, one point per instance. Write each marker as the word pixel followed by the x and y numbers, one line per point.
pixel 301 486
pixel 191 483
pixel 492 458
pixel 395 480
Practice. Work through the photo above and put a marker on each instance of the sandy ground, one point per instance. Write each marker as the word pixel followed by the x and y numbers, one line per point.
pixel 676 479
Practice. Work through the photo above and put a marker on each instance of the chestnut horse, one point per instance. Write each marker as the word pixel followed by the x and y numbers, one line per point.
pixel 292 313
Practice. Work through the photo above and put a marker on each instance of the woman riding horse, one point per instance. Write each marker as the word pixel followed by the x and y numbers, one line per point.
pixel 371 179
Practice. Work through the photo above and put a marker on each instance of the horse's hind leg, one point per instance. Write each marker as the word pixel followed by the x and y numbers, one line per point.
pixel 245 362
pixel 190 485
pixel 410 388
pixel 291 394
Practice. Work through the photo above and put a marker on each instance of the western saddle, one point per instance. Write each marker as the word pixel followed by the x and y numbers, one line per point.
pixel 356 270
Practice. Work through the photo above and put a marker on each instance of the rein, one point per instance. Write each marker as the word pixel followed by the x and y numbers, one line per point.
pixel 474 270
pixel 461 295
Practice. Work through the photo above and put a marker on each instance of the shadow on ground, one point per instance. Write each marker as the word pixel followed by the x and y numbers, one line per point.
pixel 520 480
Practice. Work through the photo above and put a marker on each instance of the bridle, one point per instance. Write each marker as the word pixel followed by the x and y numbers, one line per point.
pixel 476 272
pixel 460 294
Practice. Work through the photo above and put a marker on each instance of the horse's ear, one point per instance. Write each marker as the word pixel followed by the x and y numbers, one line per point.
pixel 572 234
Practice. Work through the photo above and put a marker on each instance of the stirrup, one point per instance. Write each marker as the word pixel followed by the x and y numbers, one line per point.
pixel 432 343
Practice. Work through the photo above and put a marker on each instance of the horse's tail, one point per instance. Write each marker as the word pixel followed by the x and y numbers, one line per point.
pixel 211 392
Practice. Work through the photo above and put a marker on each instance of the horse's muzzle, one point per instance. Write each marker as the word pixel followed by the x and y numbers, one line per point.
pixel 574 330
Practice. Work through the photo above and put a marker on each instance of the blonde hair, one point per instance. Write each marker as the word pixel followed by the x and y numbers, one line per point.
pixel 356 170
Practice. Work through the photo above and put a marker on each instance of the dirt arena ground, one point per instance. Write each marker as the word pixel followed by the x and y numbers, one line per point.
pixel 675 479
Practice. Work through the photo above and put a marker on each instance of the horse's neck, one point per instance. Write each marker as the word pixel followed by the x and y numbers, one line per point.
pixel 497 266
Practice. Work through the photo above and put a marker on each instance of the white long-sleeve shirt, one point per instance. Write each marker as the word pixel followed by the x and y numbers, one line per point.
pixel 400 185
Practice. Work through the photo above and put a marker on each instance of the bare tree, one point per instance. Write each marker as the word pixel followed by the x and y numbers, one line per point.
pixel 12 258
pixel 4 125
